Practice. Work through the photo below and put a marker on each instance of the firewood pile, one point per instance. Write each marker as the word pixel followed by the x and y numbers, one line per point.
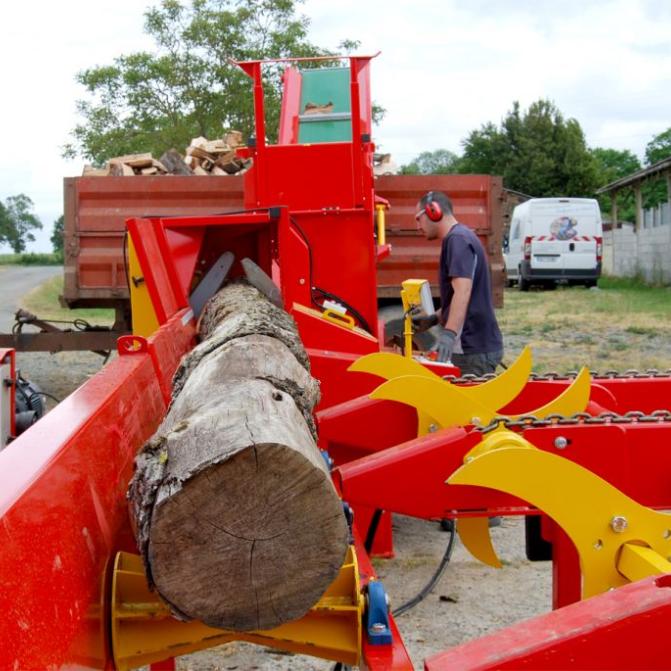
pixel 202 157
pixel 383 164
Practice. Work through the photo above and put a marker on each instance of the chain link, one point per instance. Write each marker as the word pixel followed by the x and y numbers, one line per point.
pixel 605 418
pixel 569 375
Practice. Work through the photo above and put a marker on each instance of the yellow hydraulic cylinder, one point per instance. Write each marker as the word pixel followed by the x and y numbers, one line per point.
pixel 380 219
pixel 144 631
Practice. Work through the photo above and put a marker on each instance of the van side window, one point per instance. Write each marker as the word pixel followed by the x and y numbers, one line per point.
pixel 516 229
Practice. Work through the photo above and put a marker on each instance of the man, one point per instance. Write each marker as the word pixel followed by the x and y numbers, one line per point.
pixel 469 334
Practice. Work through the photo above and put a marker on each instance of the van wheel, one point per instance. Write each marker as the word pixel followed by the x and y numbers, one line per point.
pixel 590 283
pixel 523 284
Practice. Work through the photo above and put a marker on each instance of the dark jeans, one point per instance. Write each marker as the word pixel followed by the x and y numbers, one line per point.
pixel 477 364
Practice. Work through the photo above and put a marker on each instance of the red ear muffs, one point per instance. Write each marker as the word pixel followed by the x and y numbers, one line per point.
pixel 433 211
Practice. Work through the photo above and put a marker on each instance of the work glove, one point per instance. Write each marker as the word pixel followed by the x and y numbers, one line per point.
pixel 445 345
pixel 424 323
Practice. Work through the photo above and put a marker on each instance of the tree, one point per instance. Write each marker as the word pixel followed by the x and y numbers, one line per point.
pixel 537 152
pixel 613 164
pixel 188 87
pixel 17 221
pixel 57 237
pixel 656 191
pixel 659 147
pixel 437 162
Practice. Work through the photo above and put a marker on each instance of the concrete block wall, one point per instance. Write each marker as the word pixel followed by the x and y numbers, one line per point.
pixel 646 253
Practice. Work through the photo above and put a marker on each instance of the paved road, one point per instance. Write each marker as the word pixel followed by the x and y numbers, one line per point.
pixel 15 282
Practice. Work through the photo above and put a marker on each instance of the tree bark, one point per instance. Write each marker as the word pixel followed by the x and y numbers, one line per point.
pixel 233 507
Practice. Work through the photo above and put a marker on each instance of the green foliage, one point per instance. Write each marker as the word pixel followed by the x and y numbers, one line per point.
pixel 537 152
pixel 659 147
pixel 438 162
pixel 187 87
pixel 17 222
pixel 31 259
pixel 58 234
pixel 613 164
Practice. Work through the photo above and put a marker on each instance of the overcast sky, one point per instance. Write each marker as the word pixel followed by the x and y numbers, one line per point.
pixel 446 67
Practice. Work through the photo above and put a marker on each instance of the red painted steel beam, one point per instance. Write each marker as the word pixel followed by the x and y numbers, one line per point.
pixel 63 509
pixel 623 629
pixel 409 478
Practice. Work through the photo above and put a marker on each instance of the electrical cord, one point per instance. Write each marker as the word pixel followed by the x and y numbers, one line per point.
pixel 327 294
pixel 427 589
pixel 44 393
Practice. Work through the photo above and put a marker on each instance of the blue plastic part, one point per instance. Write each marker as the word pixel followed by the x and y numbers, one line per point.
pixel 327 458
pixel 377 615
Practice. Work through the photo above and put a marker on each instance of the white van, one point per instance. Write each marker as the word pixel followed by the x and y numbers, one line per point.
pixel 553 240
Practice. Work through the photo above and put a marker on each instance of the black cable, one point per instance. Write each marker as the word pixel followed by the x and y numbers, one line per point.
pixel 426 590
pixel 44 393
pixel 327 294
pixel 355 313
pixel 372 530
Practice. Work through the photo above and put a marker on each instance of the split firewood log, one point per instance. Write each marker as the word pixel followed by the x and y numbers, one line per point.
pixel 174 163
pixel 235 514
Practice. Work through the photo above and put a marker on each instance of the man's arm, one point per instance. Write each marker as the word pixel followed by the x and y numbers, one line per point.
pixel 456 317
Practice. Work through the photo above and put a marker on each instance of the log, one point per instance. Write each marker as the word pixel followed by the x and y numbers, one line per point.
pixel 134 160
pixel 233 508
pixel 174 163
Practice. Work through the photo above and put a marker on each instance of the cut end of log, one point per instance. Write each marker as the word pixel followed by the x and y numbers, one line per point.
pixel 266 564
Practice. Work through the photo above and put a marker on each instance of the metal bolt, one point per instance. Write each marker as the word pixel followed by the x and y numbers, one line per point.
pixel 619 524
pixel 301 280
pixel 476 421
pixel 378 627
pixel 667 534
pixel 561 442
pixel 433 428
pixel 598 545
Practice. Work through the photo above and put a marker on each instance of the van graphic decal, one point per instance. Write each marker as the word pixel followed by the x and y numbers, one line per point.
pixel 564 228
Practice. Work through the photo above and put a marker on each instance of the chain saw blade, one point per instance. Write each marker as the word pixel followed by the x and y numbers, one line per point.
pixel 259 278
pixel 211 283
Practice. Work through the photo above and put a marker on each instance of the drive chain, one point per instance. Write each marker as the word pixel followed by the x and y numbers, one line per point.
pixel 605 418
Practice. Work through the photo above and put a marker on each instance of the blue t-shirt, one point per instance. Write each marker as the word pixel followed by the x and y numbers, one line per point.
pixel 462 255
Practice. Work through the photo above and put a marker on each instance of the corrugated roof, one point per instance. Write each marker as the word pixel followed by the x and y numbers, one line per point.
pixel 656 168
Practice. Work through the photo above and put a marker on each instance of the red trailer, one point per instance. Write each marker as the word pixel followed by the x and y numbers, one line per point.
pixel 96 209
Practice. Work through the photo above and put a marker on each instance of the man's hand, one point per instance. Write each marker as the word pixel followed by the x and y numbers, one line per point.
pixel 424 323
pixel 445 345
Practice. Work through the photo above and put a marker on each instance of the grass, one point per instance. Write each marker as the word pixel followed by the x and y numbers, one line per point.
pixel 31 259
pixel 624 324
pixel 43 301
